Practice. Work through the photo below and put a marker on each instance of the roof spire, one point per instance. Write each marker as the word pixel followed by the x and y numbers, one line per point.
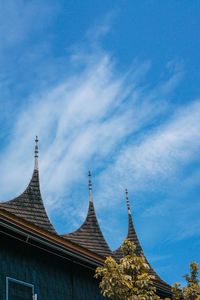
pixel 36 152
pixel 128 202
pixel 132 236
pixel 90 186
pixel 29 205
pixel 89 235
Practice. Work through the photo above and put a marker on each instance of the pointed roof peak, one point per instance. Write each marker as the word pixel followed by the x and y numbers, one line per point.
pixel 89 235
pixel 90 187
pixel 29 205
pixel 36 152
pixel 132 236
pixel 128 202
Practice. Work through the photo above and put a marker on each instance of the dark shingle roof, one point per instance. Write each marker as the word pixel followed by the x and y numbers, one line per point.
pixel 29 205
pixel 89 235
pixel 132 236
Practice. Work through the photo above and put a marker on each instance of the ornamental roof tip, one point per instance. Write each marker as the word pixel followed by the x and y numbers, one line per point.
pixel 36 153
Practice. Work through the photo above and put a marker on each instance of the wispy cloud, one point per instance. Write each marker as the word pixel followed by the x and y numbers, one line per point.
pixel 83 121
pixel 157 157
pixel 91 108
pixel 25 54
pixel 17 20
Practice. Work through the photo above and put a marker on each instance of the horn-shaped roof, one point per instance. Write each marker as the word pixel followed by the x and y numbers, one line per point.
pixel 89 235
pixel 132 236
pixel 29 205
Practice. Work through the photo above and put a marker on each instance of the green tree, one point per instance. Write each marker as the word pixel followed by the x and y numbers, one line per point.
pixel 192 290
pixel 177 291
pixel 127 280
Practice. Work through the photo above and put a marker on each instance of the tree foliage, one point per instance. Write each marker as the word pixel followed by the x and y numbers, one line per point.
pixel 177 291
pixel 129 279
pixel 192 289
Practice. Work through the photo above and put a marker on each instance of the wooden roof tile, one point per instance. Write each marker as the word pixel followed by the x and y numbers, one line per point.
pixel 29 205
pixel 132 236
pixel 89 235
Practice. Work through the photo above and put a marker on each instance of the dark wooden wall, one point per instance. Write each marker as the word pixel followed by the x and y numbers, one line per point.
pixel 54 278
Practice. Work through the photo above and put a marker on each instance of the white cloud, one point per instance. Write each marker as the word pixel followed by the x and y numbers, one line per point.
pixel 17 20
pixel 83 119
pixel 157 156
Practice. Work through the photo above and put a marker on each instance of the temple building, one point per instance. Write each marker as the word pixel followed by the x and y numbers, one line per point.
pixel 38 263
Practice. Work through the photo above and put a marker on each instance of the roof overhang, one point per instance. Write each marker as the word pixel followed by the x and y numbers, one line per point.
pixel 20 229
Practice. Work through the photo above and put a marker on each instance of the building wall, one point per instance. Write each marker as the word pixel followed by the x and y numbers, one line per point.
pixel 53 278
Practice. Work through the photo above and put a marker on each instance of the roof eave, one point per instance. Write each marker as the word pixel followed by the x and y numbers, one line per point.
pixel 49 241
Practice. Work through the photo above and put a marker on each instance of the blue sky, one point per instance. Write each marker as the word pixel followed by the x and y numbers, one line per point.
pixel 111 87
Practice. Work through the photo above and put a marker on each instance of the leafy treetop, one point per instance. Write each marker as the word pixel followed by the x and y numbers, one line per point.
pixel 127 280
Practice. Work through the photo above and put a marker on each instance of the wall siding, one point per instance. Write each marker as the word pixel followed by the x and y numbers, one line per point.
pixel 53 278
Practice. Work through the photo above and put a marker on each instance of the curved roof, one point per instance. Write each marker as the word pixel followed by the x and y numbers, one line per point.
pixel 132 236
pixel 89 235
pixel 29 205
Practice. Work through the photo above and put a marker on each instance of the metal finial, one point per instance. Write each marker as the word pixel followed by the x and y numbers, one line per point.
pixel 36 152
pixel 127 201
pixel 90 186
